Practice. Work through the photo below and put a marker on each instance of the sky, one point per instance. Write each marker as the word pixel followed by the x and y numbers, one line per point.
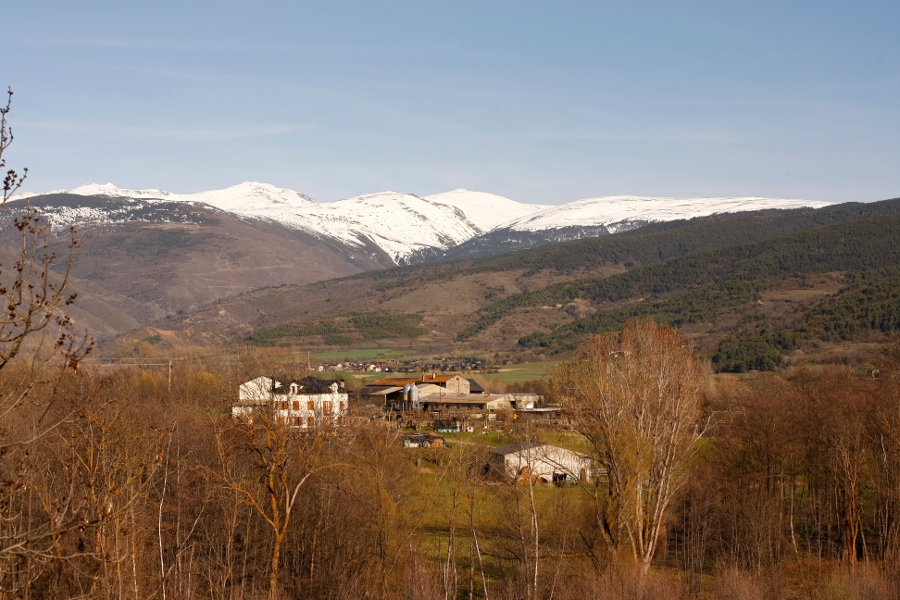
pixel 541 102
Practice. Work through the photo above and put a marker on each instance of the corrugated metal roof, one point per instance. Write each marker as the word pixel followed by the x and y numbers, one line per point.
pixel 378 390
pixel 514 448
pixel 405 380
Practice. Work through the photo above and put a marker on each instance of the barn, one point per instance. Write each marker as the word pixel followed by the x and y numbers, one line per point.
pixel 545 462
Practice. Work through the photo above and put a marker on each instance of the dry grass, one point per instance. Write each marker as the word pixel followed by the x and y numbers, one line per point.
pixel 622 582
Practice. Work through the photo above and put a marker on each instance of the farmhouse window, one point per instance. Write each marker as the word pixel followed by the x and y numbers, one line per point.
pixel 296 404
pixel 311 405
pixel 311 421
pixel 327 407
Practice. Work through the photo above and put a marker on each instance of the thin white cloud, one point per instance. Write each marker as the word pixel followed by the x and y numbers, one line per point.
pixel 154 44
pixel 329 51
pixel 208 133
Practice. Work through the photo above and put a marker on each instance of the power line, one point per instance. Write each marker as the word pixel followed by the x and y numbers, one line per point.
pixel 139 362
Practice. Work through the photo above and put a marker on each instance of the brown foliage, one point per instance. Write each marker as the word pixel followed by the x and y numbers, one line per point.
pixel 635 397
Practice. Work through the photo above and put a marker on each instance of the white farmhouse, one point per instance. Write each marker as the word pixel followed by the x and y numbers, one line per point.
pixel 307 403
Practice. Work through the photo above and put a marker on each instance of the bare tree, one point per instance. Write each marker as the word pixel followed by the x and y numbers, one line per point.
pixel 12 181
pixel 266 463
pixel 841 408
pixel 635 397
pixel 36 339
pixel 32 296
pixel 463 473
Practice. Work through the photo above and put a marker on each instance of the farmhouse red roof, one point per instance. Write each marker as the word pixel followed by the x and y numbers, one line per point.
pixel 403 381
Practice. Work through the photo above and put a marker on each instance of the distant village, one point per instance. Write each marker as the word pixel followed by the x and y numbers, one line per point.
pixel 413 365
pixel 425 404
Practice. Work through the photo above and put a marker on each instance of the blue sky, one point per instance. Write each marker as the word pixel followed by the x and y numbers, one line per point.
pixel 538 101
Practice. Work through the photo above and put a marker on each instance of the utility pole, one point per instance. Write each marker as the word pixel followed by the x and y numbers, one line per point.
pixel 140 362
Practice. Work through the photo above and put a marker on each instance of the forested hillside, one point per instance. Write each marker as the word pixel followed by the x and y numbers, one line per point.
pixel 692 235
pixel 649 244
pixel 863 244
pixel 712 276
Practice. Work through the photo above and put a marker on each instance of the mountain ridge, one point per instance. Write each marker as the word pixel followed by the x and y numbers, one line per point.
pixel 463 296
pixel 410 228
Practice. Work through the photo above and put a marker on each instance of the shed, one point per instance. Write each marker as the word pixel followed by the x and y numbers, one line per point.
pixel 544 461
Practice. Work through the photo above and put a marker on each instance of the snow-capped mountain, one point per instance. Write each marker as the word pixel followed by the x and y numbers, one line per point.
pixel 594 217
pixel 247 197
pixel 411 228
pixel 618 213
pixel 487 211
pixel 150 255
pixel 401 225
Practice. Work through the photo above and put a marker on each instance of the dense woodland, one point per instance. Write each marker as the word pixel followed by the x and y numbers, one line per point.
pixel 852 246
pixel 112 485
pixel 646 245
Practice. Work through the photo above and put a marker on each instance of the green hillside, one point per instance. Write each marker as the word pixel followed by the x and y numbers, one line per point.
pixel 650 244
pixel 342 330
pixel 850 246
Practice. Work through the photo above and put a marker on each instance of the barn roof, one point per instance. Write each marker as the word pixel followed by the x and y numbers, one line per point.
pixel 401 381
pixel 314 385
pixel 379 390
pixel 444 397
pixel 514 448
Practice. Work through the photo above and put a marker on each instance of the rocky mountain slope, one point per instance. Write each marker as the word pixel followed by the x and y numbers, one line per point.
pixel 409 228
pixel 151 254
pixel 140 260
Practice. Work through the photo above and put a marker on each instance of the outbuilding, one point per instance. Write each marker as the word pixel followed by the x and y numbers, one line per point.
pixel 541 461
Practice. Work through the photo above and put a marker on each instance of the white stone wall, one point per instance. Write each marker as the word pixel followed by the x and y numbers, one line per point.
pixel 259 390
pixel 292 408
pixel 544 461
pixel 297 412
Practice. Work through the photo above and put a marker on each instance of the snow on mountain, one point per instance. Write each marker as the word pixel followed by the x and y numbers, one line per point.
pixel 406 225
pixel 108 189
pixel 245 197
pixel 251 196
pixel 399 224
pixel 26 195
pixel 486 211
pixel 622 212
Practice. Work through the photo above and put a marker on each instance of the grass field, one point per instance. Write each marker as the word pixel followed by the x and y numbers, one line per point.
pixel 510 434
pixel 501 509
pixel 527 371
pixel 507 373
pixel 370 353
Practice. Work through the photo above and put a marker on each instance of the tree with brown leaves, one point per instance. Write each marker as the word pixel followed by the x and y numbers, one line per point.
pixel 635 397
